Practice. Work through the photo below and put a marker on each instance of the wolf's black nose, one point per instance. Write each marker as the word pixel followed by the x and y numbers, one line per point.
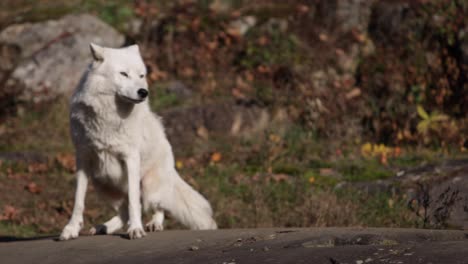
pixel 142 93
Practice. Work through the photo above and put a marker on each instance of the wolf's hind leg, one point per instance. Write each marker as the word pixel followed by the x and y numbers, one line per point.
pixel 114 224
pixel 156 222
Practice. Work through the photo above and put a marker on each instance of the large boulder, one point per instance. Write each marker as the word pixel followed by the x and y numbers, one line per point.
pixel 41 61
pixel 189 128
pixel 438 193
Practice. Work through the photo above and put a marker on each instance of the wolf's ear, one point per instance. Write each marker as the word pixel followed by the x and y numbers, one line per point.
pixel 134 48
pixel 97 52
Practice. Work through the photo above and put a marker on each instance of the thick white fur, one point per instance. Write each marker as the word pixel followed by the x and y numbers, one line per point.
pixel 121 146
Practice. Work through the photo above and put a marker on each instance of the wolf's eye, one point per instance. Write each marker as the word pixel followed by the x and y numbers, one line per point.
pixel 142 75
pixel 124 74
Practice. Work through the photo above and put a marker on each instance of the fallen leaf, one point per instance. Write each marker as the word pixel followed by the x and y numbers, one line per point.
pixel 339 52
pixel 353 93
pixel 9 213
pixel 360 37
pixel 212 45
pixel 37 167
pixel 188 72
pixel 32 187
pixel 157 75
pixel 339 152
pixel 280 177
pixel 67 161
pixel 274 138
pixel 203 132
pixel 397 151
pixel 238 94
pixel 233 32
pixel 196 24
pixel 216 157
pixel 220 7
pixel 262 41
pixel 383 159
pixel 179 164
pixel 326 171
pixel 323 37
pixel 263 69
pixel 242 85
pixel 302 9
pixel 249 76
pixel 366 149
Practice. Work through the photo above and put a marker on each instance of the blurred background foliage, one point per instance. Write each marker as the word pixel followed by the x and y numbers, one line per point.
pixel 368 88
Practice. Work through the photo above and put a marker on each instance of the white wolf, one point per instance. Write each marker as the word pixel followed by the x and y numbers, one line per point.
pixel 121 146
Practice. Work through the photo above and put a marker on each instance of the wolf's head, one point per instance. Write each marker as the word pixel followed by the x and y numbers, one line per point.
pixel 123 71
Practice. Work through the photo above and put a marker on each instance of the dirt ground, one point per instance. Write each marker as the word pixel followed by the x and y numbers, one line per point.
pixel 280 245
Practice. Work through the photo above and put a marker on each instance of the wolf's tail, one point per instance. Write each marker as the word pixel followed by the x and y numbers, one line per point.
pixel 189 207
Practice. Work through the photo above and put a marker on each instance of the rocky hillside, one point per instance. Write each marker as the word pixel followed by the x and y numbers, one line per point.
pixel 392 71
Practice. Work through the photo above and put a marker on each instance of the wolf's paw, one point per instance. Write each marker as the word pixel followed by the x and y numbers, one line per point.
pixel 98 230
pixel 136 232
pixel 153 226
pixel 70 232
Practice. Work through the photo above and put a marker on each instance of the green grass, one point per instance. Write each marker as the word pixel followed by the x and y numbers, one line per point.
pixel 10 229
pixel 268 55
pixel 162 99
pixel 381 209
pixel 362 170
pixel 43 129
pixel 115 13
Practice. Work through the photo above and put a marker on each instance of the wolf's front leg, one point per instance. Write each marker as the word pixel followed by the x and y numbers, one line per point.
pixel 135 229
pixel 75 224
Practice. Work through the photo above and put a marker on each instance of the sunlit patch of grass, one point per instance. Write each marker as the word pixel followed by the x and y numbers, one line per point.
pixel 115 13
pixel 162 99
pixel 362 170
pixel 381 209
pixel 41 129
pixel 15 230
pixel 414 158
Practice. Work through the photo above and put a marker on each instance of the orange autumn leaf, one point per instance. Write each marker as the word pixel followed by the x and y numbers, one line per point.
pixel 32 187
pixel 312 179
pixel 216 157
pixel 37 167
pixel 280 177
pixel 9 213
pixel 67 161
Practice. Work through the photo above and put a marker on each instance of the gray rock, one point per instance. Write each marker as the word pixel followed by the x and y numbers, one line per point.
pixel 437 193
pixel 440 190
pixel 179 89
pixel 189 127
pixel 448 205
pixel 53 54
